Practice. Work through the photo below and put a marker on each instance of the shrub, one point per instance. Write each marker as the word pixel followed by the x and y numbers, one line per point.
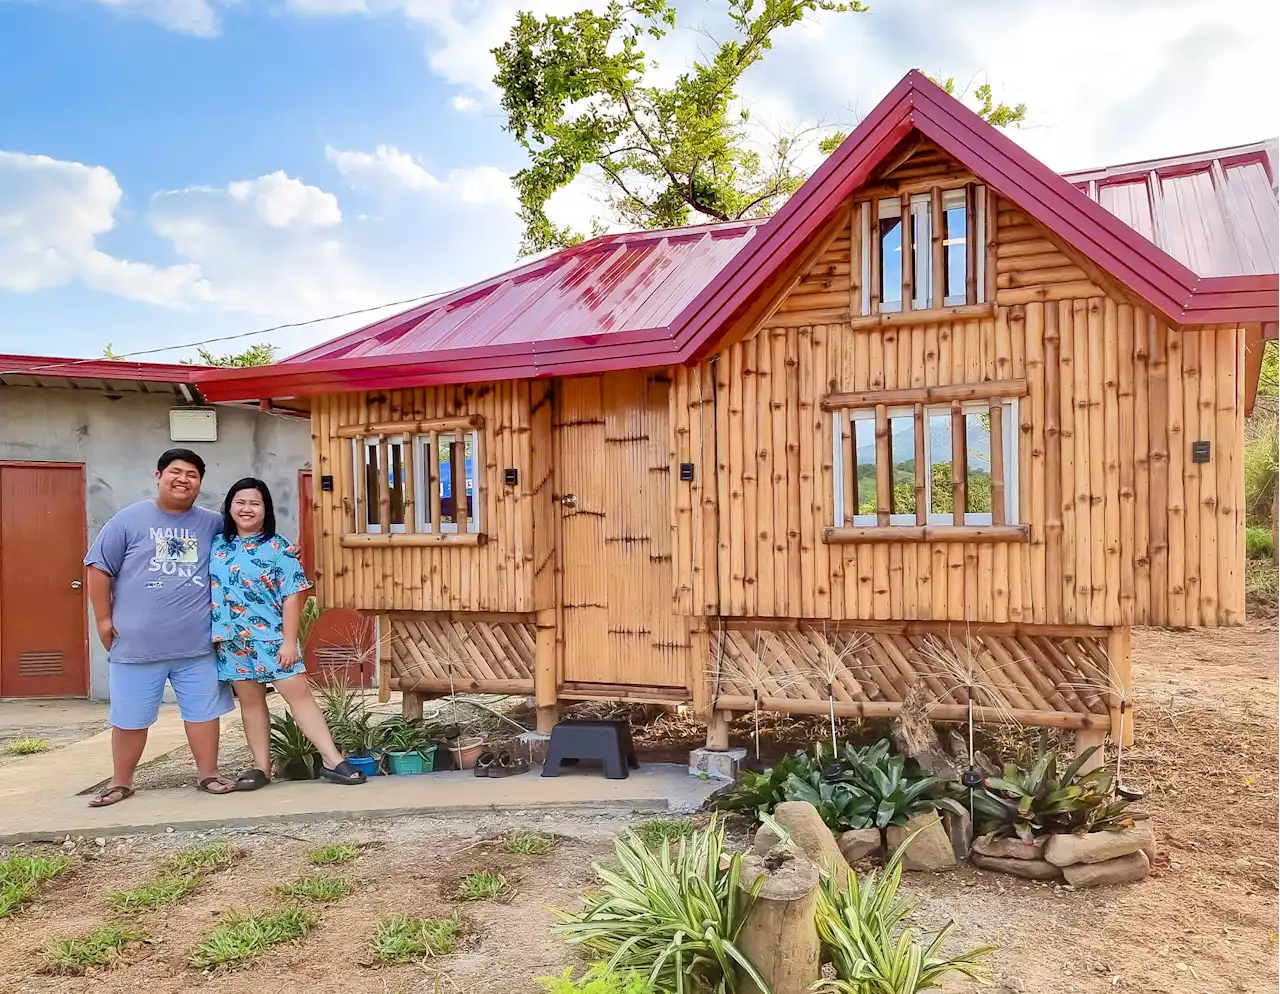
pixel 103 948
pixel 756 792
pixel 21 877
pixel 597 980
pixel 871 949
pixel 315 888
pixel 655 831
pixel 202 859
pixel 1258 543
pixel 526 843
pixel 241 936
pixel 290 747
pixel 333 855
pixel 401 939
pixel 672 915
pixel 1260 463
pixel 157 893
pixel 483 885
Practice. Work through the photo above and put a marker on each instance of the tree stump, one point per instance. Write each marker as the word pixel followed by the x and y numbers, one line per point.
pixel 779 937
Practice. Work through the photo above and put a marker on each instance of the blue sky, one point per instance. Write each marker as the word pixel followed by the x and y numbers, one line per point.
pixel 173 170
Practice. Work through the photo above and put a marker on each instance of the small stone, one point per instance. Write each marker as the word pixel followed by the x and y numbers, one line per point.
pixel 859 843
pixel 987 845
pixel 1031 869
pixel 169 830
pixel 960 830
pixel 1100 967
pixel 764 841
pixel 100 842
pixel 1121 870
pixel 1097 847
pixel 68 844
pixel 929 850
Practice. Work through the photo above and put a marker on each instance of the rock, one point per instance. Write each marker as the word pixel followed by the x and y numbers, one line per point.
pixel 1032 869
pixel 812 837
pixel 1121 870
pixel 986 845
pixel 764 841
pixel 100 842
pixel 859 843
pixel 1097 847
pixel 930 850
pixel 716 764
pixel 960 831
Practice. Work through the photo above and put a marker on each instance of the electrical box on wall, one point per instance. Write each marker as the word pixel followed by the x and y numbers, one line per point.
pixel 193 424
pixel 686 472
pixel 1199 451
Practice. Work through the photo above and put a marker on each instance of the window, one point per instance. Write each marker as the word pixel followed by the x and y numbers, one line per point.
pixel 911 465
pixel 420 482
pixel 885 256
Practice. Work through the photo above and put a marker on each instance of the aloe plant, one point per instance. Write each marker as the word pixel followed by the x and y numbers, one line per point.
pixel 871 948
pixel 1027 803
pixel 290 747
pixel 672 916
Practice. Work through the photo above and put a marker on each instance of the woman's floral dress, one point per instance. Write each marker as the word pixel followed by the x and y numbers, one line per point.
pixel 249 580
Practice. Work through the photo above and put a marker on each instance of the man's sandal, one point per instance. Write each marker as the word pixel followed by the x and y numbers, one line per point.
pixel 254 779
pixel 343 773
pixel 112 795
pixel 204 786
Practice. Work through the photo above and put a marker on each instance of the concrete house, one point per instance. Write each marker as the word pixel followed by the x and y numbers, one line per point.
pixel 78 441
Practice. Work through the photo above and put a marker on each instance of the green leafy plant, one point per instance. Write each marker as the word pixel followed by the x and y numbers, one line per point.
pixel 886 792
pixel 334 854
pixel 655 831
pixel 1027 803
pixel 315 887
pixel 338 703
pixel 872 950
pixel 100 949
pixel 358 735
pixel 157 893
pixel 599 979
pixel 525 843
pixel 21 878
pixel 310 615
pixel 1257 545
pixel 401 734
pixel 202 859
pixel 672 915
pixel 27 746
pixel 242 935
pixel 483 885
pixel 291 750
pixel 401 939
pixel 755 792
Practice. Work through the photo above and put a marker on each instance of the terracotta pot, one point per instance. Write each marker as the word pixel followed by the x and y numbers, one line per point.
pixel 466 751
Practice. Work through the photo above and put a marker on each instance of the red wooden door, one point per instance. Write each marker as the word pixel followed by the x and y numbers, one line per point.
pixel 43 624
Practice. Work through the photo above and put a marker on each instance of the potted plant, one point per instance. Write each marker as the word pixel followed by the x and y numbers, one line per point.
pixel 292 754
pixel 361 740
pixel 463 749
pixel 406 745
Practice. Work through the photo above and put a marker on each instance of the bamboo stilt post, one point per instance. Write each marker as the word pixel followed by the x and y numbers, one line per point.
pixel 1120 656
pixel 718 730
pixel 998 505
pixel 1087 738
pixel 884 468
pixel 1052 468
pixel 922 511
pixel 958 459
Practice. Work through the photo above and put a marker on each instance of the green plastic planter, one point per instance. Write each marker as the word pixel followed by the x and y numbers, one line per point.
pixel 408 763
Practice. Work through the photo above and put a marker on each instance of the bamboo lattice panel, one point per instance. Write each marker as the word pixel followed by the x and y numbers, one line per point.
pixel 1030 678
pixel 473 653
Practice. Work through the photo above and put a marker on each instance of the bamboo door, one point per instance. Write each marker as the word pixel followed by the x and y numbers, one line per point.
pixel 613 465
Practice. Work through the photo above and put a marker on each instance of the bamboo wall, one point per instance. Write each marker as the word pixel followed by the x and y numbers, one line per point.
pixel 495 576
pixel 1124 527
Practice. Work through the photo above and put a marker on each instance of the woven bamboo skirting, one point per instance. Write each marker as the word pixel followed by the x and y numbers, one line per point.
pixel 1056 680
pixel 437 653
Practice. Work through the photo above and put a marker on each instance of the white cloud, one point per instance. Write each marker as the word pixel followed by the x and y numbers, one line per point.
pixel 386 168
pixel 465 102
pixel 194 17
pixel 51 215
pixel 282 201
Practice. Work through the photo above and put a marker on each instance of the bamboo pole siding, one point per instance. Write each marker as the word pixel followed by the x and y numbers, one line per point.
pixel 1108 402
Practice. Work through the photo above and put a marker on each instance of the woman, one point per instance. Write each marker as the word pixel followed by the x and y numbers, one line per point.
pixel 258 589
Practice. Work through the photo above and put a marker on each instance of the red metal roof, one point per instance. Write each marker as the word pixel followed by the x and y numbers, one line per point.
pixel 93 374
pixel 1214 212
pixel 663 297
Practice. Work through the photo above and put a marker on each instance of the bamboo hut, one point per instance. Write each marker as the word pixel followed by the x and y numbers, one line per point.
pixel 947 418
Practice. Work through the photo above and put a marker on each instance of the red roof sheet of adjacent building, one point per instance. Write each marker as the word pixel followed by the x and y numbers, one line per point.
pixel 662 297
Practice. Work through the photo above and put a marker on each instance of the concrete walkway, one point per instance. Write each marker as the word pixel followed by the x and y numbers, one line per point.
pixel 52 813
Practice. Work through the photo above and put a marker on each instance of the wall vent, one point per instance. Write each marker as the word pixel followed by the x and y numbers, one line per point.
pixel 40 664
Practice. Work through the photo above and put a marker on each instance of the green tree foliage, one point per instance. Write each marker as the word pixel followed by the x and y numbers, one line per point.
pixel 577 91
pixel 255 355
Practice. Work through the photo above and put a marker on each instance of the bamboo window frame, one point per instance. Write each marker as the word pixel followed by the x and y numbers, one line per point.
pixel 417 444
pixel 924 268
pixel 997 400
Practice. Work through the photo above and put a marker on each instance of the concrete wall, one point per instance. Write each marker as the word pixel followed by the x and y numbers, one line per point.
pixel 119 442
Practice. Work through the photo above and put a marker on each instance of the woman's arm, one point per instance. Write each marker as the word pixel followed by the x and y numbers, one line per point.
pixel 293 616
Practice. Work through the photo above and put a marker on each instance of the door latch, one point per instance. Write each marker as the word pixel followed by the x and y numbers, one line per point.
pixel 569 500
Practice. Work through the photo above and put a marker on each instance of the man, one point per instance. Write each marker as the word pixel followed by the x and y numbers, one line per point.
pixel 148 584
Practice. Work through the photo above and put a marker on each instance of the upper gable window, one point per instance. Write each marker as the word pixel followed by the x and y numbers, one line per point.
pixel 925 256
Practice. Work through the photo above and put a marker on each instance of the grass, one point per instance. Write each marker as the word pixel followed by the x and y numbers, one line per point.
pixel 483 885
pixel 1257 542
pixel 334 855
pixel 242 936
pixel 22 876
pixel 654 831
pixel 1261 584
pixel 523 843
pixel 157 893
pixel 401 939
pixel 73 957
pixel 202 859
pixel 315 888
pixel 27 746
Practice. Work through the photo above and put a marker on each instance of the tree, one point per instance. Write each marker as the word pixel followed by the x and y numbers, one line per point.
pixel 255 355
pixel 576 93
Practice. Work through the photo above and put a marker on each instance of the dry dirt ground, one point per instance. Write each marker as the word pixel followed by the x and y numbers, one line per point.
pixel 1205 921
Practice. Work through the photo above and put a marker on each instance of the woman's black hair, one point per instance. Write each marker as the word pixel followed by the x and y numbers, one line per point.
pixel 269 518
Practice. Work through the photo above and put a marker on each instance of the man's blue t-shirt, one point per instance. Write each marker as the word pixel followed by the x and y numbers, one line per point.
pixel 159 568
